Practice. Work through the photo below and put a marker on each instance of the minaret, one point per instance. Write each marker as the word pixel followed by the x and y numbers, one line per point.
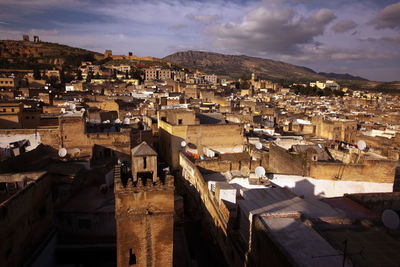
pixel 144 212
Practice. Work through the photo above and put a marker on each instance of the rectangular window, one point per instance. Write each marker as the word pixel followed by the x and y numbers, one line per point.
pixel 144 162
pixel 132 257
pixel 180 121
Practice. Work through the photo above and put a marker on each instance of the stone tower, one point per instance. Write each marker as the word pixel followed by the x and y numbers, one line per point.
pixel 107 53
pixel 144 212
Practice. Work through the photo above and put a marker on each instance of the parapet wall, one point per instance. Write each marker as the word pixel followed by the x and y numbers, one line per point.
pixel 378 171
pixel 377 202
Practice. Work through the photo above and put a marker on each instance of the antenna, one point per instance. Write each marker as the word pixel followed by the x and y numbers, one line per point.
pixel 183 144
pixel 260 172
pixel 75 152
pixel 361 144
pixel 391 219
pixel 62 152
pixel 259 145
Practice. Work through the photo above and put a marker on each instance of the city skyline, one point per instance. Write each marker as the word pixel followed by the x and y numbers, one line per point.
pixel 356 37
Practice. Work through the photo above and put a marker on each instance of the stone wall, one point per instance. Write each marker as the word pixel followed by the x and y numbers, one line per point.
pixel 25 219
pixel 218 226
pixel 379 171
pixel 283 162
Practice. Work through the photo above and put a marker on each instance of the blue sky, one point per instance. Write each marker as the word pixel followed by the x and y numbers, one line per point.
pixel 361 37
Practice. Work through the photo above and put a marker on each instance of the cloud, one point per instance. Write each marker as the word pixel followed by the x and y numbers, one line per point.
pixel 344 26
pixel 203 18
pixel 395 39
pixel 388 18
pixel 271 29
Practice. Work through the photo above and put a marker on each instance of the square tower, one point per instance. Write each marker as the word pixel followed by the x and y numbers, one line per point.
pixel 144 163
pixel 144 211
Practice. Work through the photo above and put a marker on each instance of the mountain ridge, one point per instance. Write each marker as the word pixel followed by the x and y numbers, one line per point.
pixel 235 66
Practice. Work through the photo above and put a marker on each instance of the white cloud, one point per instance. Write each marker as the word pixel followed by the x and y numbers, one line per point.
pixel 271 29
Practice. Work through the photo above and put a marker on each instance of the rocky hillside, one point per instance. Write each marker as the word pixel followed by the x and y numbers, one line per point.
pixel 24 54
pixel 243 66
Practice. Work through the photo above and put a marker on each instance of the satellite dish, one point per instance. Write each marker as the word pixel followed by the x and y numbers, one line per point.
pixel 117 121
pixel 260 172
pixel 183 144
pixel 361 145
pixel 258 145
pixel 127 121
pixel 72 106
pixel 75 152
pixel 62 110
pixel 62 152
pixel 391 219
pixel 83 110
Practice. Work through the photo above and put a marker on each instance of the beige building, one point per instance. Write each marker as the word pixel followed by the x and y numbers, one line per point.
pixel 157 74
pixel 340 129
pixel 176 126
pixel 7 82
pixel 14 116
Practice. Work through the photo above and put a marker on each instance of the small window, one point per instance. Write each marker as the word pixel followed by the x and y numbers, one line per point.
pixel 132 257
pixel 33 117
pixel 144 162
pixel 27 117
pixel 12 110
pixel 180 121
pixel 4 110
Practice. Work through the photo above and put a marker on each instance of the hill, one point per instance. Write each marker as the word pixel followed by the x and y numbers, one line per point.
pixel 28 55
pixel 242 66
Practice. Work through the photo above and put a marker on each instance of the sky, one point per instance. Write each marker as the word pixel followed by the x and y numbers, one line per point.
pixel 360 37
